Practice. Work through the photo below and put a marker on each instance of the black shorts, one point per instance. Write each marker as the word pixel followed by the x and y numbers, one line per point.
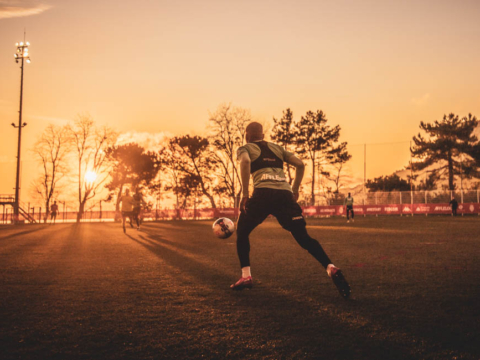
pixel 279 203
pixel 127 214
pixel 349 207
pixel 53 214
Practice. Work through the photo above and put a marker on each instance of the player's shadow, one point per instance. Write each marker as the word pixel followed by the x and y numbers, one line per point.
pixel 159 239
pixel 184 260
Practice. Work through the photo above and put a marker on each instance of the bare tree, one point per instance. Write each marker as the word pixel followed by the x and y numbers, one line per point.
pixel 227 133
pixel 90 144
pixel 51 150
pixel 337 158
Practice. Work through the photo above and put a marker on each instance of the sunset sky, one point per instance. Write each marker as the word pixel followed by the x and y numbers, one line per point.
pixel 377 68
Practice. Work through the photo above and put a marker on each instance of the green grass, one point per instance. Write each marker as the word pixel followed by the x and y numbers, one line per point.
pixel 91 292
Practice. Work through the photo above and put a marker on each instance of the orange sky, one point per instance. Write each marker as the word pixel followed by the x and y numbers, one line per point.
pixel 377 68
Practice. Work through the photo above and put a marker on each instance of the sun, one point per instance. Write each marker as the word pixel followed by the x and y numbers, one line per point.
pixel 90 176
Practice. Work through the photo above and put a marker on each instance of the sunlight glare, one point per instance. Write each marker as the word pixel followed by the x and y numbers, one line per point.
pixel 90 176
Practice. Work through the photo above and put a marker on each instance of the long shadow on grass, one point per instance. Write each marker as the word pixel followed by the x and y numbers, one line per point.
pixel 297 325
pixel 190 247
pixel 26 232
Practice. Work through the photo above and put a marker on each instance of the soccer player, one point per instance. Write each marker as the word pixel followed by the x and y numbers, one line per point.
pixel 273 195
pixel 349 207
pixel 53 212
pixel 137 206
pixel 127 208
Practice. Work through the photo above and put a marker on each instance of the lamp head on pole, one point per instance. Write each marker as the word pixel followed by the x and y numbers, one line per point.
pixel 22 52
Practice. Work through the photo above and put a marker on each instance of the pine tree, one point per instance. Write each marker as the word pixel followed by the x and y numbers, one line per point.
pixel 283 135
pixel 316 141
pixel 450 144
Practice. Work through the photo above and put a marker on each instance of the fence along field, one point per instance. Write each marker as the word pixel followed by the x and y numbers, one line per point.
pixel 378 203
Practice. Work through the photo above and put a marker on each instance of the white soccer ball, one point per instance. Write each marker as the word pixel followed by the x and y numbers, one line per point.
pixel 223 228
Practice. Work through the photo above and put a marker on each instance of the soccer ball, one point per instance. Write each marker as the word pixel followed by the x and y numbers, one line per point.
pixel 223 228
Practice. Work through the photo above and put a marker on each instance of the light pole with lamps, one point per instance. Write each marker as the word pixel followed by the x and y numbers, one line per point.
pixel 20 56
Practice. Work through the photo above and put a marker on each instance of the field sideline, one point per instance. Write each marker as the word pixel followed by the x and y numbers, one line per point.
pixel 91 292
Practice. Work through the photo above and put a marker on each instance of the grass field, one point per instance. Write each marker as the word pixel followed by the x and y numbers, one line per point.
pixel 92 292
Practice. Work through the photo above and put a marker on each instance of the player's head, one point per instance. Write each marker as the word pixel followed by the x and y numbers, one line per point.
pixel 137 190
pixel 127 191
pixel 55 202
pixel 349 194
pixel 254 132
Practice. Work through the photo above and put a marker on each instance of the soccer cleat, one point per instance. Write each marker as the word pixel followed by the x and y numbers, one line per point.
pixel 340 282
pixel 348 221
pixel 243 283
pixel 138 228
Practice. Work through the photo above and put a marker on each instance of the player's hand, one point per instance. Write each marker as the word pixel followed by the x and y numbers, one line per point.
pixel 296 195
pixel 243 204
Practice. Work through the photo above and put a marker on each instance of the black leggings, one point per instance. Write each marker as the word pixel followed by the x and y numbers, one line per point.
pixel 350 210
pixel 282 205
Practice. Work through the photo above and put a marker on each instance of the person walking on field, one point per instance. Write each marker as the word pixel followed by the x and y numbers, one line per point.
pixel 137 206
pixel 454 204
pixel 349 207
pixel 53 212
pixel 273 195
pixel 127 208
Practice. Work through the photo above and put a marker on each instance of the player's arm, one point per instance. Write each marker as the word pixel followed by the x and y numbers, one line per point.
pixel 299 172
pixel 245 161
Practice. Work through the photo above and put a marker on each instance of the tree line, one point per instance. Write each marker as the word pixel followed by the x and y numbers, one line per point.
pixel 86 157
pixel 204 170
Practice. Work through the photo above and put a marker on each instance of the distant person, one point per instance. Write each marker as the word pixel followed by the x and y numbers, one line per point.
pixel 53 212
pixel 454 205
pixel 273 195
pixel 127 208
pixel 349 207
pixel 137 206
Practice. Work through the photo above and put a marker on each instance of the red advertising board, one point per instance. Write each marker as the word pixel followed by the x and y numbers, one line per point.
pixel 326 210
pixel 441 209
pixel 372 209
pixel 310 210
pixel 206 213
pixel 407 209
pixel 393 209
pixel 228 212
pixel 358 209
pixel 333 210
pixel 468 208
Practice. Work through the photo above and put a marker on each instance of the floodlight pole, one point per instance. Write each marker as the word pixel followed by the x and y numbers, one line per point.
pixel 364 167
pixel 21 55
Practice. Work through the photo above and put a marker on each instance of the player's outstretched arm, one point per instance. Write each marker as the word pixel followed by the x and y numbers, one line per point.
pixel 245 177
pixel 299 172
